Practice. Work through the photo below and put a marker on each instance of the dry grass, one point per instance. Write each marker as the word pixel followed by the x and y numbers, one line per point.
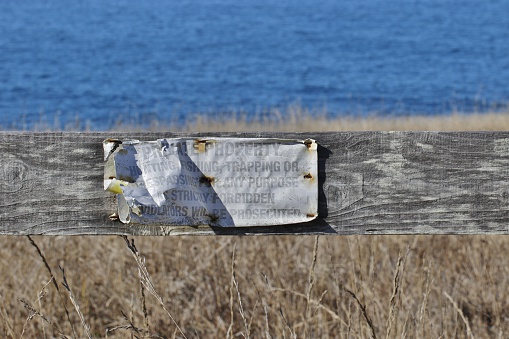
pixel 297 118
pixel 263 287
pixel 445 284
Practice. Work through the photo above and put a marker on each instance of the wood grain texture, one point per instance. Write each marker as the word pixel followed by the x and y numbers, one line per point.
pixel 369 183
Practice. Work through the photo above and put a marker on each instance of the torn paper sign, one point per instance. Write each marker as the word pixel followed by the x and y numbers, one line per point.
pixel 213 181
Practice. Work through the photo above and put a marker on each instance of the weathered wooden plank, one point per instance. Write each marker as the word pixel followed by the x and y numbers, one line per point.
pixel 369 183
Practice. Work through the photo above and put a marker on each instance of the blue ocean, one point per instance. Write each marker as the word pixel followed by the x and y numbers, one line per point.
pixel 105 61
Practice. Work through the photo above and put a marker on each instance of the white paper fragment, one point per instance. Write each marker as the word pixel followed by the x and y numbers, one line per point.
pixel 213 181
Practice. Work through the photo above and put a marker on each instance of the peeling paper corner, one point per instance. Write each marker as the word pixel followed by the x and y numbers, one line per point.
pixel 111 182
pixel 222 182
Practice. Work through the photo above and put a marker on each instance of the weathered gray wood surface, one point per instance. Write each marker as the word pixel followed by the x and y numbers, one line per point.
pixel 369 183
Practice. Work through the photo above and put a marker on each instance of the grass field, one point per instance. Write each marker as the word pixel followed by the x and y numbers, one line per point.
pixel 263 287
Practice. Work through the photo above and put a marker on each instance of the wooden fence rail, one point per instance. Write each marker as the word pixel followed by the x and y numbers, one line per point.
pixel 368 182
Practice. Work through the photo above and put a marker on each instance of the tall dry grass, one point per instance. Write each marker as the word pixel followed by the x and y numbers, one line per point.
pixel 274 288
pixel 294 118
pixel 262 287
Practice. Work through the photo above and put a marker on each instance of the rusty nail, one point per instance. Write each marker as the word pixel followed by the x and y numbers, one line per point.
pixel 213 218
pixel 308 176
pixel 310 215
pixel 207 180
pixel 200 145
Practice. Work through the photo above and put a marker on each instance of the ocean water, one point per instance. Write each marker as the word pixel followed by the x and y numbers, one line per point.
pixel 106 61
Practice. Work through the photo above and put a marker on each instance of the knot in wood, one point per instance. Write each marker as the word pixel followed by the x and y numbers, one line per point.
pixel 12 175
